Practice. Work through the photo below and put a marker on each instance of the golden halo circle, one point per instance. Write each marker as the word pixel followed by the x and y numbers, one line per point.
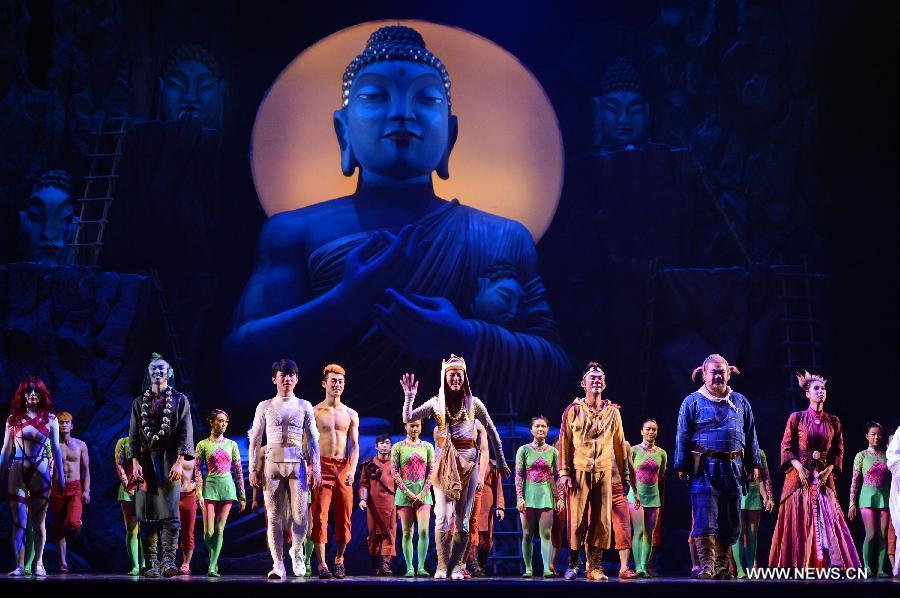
pixel 508 159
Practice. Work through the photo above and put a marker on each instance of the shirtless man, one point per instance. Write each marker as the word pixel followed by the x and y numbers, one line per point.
pixel 66 503
pixel 339 446
pixel 187 513
pixel 286 420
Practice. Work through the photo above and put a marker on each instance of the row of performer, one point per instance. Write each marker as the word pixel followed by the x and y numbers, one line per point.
pixel 590 485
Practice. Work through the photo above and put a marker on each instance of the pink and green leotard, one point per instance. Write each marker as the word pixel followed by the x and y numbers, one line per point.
pixel 224 476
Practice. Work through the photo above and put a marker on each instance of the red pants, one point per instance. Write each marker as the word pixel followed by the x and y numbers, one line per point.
pixel 333 491
pixel 891 539
pixel 66 506
pixel 560 531
pixel 621 518
pixel 187 513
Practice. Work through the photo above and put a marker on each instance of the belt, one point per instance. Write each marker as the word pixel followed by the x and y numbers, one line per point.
pixel 812 456
pixel 459 443
pixel 729 455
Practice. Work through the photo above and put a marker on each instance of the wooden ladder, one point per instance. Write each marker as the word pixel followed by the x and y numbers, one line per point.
pixel 99 189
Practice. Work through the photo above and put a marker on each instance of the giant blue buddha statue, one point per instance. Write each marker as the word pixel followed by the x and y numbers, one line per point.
pixel 386 280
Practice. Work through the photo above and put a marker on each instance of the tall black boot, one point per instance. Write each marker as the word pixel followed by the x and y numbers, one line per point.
pixel 169 546
pixel 150 543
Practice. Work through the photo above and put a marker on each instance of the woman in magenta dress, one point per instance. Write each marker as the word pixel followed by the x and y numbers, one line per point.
pixel 811 530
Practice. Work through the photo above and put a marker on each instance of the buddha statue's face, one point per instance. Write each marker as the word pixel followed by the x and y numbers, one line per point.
pixel 46 225
pixel 397 123
pixel 498 301
pixel 621 119
pixel 191 91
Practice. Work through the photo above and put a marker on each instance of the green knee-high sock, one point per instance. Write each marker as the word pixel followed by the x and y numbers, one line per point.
pixel 408 552
pixel 133 548
pixel 645 552
pixel 546 551
pixel 215 547
pixel 737 551
pixel 636 546
pixel 527 553
pixel 866 554
pixel 422 548
pixel 881 555
pixel 308 551
pixel 750 554
pixel 29 545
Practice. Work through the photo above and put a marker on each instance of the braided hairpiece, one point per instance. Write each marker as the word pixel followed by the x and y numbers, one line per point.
pixel 394 42
pixel 805 379
pixel 714 358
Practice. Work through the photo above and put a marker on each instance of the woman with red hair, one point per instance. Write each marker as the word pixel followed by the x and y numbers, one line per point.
pixel 31 429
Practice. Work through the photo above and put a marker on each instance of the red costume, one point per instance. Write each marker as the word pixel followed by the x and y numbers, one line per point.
pixel 381 513
pixel 811 530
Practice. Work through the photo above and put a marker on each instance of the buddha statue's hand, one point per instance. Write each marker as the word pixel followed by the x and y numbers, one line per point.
pixel 415 323
pixel 372 267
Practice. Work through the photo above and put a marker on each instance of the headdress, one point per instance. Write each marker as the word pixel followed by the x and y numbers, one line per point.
pixel 805 379
pixel 394 42
pixel 454 362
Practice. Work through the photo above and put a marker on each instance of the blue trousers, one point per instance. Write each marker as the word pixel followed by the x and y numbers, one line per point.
pixel 716 506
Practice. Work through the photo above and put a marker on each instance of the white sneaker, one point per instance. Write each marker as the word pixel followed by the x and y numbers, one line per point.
pixel 39 570
pixel 17 572
pixel 277 571
pixel 457 573
pixel 440 574
pixel 298 560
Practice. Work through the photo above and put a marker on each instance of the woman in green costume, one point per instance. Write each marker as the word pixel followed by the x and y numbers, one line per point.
pixel 759 496
pixel 870 488
pixel 126 501
pixel 411 462
pixel 649 463
pixel 537 467
pixel 224 483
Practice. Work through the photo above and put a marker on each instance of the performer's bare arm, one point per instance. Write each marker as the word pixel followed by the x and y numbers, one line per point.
pixel 312 442
pixel 57 451
pixel 85 466
pixel 481 413
pixel 353 440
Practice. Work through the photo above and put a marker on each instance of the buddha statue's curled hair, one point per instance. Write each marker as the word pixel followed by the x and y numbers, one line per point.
pixel 394 42
pixel 194 52
pixel 620 76
pixel 59 179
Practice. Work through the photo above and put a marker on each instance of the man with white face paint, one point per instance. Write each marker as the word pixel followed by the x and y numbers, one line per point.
pixel 285 419
pixel 455 475
pixel 160 439
pixel 716 449
pixel 590 438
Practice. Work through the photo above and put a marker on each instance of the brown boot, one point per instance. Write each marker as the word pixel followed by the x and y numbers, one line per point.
pixel 721 561
pixel 706 554
pixel 595 565
pixel 441 546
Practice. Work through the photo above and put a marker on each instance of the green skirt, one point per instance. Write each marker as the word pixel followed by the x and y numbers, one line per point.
pixel 219 486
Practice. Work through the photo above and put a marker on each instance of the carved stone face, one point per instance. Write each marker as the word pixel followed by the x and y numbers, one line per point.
pixel 46 225
pixel 192 91
pixel 621 119
pixel 498 301
pixel 397 124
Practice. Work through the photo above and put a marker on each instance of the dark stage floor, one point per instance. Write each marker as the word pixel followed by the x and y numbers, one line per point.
pixel 91 585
